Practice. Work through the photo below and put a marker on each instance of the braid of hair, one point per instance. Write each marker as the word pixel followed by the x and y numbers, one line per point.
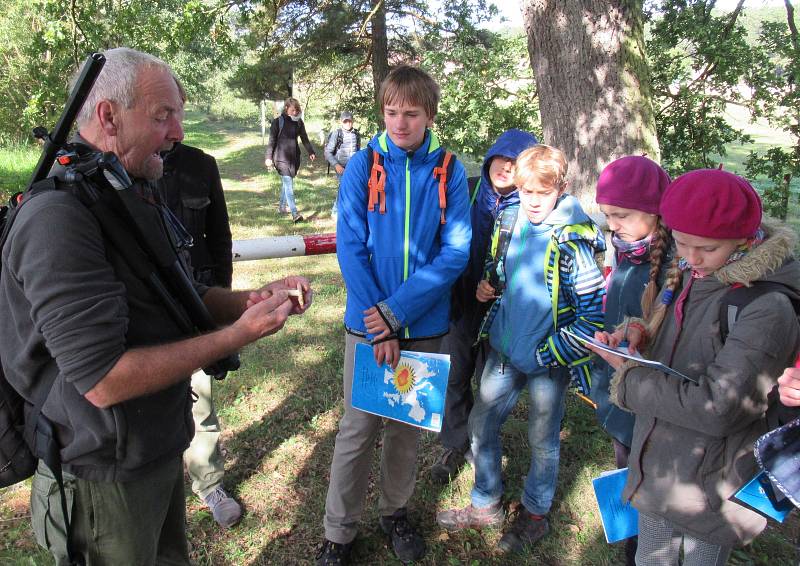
pixel 658 249
pixel 674 277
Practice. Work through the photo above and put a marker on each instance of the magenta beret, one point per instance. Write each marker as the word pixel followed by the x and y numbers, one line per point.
pixel 711 203
pixel 632 182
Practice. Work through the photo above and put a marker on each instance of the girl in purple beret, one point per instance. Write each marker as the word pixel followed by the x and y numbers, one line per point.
pixel 629 193
pixel 692 445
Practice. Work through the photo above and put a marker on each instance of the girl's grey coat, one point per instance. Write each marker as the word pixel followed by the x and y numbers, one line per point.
pixel 693 444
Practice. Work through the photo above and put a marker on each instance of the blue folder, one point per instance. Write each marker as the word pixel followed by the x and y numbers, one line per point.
pixel 620 519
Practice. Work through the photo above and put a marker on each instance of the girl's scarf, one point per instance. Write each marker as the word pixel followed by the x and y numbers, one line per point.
pixel 637 252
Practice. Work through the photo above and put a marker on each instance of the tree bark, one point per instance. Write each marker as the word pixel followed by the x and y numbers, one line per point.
pixel 591 72
pixel 380 52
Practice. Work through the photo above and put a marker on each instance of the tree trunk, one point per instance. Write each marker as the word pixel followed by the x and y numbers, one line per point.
pixel 380 52
pixel 589 61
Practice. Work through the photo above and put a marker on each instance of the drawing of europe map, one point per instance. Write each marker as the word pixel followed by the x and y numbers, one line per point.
pixel 413 393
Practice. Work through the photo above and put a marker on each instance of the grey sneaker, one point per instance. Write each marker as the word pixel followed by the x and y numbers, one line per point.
pixel 225 509
pixel 471 517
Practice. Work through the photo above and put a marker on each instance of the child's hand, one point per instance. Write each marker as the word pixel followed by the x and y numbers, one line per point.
pixel 612 340
pixel 388 352
pixel 634 333
pixel 485 292
pixel 789 387
pixel 375 324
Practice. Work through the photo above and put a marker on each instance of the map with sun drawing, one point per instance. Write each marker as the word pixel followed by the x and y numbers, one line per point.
pixel 413 393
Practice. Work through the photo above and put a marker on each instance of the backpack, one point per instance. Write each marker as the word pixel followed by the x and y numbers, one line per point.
pixel 377 180
pixel 17 437
pixel 736 299
pixel 473 184
pixel 24 441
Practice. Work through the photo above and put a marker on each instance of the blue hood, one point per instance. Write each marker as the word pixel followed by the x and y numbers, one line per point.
pixel 488 204
pixel 510 144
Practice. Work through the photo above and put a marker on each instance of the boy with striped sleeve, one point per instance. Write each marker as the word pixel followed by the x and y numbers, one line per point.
pixel 543 278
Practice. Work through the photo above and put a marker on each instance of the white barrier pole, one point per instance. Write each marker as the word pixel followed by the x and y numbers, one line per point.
pixel 283 246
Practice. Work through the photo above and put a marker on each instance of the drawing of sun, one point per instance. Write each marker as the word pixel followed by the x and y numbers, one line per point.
pixel 404 378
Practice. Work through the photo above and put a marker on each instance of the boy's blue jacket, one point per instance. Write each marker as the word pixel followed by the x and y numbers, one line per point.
pixel 404 261
pixel 571 297
pixel 488 204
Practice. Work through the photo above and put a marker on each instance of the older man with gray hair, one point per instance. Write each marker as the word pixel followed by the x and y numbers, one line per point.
pixel 74 311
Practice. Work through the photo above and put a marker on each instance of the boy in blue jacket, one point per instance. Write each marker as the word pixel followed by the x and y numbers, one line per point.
pixel 495 191
pixel 544 280
pixel 402 240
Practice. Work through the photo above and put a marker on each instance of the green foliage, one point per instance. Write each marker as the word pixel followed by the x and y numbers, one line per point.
pixel 325 47
pixel 774 79
pixel 780 167
pixel 42 44
pixel 486 82
pixel 697 61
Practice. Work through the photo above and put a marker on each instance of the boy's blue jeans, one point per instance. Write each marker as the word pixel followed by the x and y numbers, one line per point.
pixel 501 384
pixel 334 208
pixel 287 194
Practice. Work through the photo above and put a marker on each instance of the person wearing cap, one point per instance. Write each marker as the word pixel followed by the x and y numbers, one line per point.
pixel 343 142
pixel 692 446
pixel 629 192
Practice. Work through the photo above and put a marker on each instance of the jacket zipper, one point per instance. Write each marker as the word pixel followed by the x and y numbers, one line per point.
pixel 407 230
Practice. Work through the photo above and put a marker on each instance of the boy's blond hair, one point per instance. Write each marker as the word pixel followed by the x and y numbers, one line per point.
pixel 412 86
pixel 543 165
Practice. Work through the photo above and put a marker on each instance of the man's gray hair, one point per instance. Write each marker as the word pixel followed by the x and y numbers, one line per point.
pixel 117 80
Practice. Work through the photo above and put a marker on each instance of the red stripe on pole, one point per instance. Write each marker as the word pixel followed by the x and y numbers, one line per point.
pixel 320 244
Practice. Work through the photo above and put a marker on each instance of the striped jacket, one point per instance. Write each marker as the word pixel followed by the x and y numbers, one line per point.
pixel 574 284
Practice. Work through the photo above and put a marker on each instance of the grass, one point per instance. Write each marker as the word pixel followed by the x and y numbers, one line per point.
pixel 280 415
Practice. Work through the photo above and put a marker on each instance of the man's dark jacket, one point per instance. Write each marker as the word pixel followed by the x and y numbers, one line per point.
pixel 192 189
pixel 70 307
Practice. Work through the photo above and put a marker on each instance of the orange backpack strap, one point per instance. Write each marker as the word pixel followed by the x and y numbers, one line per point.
pixel 440 172
pixel 377 183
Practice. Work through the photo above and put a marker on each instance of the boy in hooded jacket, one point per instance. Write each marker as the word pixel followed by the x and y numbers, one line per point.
pixel 545 281
pixel 399 251
pixel 492 192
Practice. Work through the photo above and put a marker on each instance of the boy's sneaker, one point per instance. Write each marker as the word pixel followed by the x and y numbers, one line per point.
pixel 407 543
pixel 334 553
pixel 225 509
pixel 471 517
pixel 525 530
pixel 448 466
pixel 297 218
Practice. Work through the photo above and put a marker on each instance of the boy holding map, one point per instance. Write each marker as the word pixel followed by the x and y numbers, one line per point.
pixel 402 239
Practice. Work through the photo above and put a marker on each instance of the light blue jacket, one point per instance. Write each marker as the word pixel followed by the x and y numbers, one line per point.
pixel 553 283
pixel 403 261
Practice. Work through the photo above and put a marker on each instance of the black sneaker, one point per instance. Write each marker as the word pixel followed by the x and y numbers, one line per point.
pixel 448 466
pixel 525 530
pixel 407 543
pixel 334 554
pixel 297 218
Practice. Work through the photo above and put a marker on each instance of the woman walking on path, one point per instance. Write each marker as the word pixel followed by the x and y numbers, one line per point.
pixel 283 152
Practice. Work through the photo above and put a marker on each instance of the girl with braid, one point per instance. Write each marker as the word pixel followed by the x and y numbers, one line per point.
pixel 692 445
pixel 629 192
